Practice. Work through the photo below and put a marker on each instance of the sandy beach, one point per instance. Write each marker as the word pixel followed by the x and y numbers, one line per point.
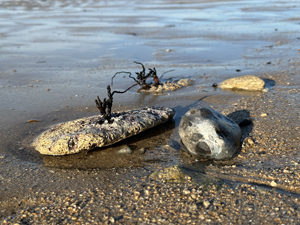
pixel 57 56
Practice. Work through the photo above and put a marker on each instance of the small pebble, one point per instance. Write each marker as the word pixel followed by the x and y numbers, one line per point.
pixel 264 115
pixel 141 151
pixel 250 141
pixel 124 149
pixel 206 204
pixel 273 184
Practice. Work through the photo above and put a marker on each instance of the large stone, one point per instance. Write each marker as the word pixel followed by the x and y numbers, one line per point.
pixel 248 83
pixel 87 133
pixel 208 134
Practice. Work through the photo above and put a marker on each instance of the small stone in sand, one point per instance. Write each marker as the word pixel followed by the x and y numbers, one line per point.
pixel 273 184
pixel 173 174
pixel 124 149
pixel 248 83
pixel 264 115
pixel 206 204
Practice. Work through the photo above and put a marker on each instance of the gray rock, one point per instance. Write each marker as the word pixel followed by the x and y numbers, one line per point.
pixel 208 134
pixel 87 133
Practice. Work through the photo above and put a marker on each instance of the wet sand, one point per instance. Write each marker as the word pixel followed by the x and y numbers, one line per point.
pixel 57 56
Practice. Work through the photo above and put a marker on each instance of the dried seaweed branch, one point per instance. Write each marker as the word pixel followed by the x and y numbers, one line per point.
pixel 118 73
pixel 141 76
pixel 105 106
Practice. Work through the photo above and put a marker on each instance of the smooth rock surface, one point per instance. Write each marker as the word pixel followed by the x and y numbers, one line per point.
pixel 208 134
pixel 87 133
pixel 124 149
pixel 248 83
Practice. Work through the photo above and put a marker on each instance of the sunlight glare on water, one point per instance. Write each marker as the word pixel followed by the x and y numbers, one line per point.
pixel 95 32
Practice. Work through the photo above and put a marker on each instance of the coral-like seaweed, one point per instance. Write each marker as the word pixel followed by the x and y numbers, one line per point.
pixel 105 105
pixel 141 77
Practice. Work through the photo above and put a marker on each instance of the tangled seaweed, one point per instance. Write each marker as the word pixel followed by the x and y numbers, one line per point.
pixel 141 77
pixel 105 105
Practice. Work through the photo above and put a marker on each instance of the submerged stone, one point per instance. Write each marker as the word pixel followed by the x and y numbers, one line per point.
pixel 88 133
pixel 124 149
pixel 181 174
pixel 248 83
pixel 208 134
pixel 173 174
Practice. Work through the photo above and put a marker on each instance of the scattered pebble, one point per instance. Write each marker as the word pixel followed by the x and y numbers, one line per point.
pixel 206 204
pixel 124 149
pixel 273 184
pixel 264 115
pixel 215 85
pixel 140 151
pixel 250 141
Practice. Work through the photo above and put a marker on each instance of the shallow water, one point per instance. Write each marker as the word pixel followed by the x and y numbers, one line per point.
pixel 58 55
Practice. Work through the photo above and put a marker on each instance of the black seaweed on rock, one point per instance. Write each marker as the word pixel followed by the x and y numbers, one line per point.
pixel 105 105
pixel 141 77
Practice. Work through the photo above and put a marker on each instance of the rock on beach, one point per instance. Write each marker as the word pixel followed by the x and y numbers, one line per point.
pixel 87 133
pixel 170 86
pixel 248 83
pixel 208 134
